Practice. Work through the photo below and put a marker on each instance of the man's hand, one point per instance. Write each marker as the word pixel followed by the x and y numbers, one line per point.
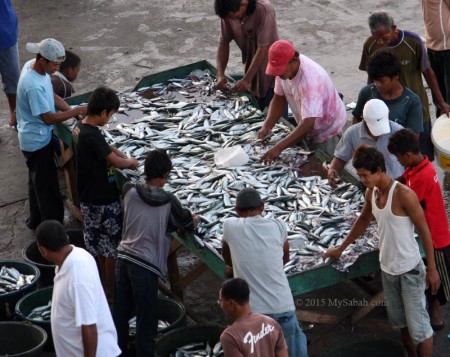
pixel 333 253
pixel 332 176
pixel 271 155
pixel 242 85
pixel 444 108
pixel 196 219
pixel 221 83
pixel 433 280
pixel 228 271
pixel 264 132
pixel 82 110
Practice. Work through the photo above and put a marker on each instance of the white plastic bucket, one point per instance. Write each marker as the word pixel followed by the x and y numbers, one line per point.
pixel 440 135
pixel 231 157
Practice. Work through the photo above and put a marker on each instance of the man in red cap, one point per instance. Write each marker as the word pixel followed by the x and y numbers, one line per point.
pixel 306 87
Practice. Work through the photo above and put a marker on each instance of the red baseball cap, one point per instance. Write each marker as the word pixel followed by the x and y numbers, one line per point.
pixel 280 54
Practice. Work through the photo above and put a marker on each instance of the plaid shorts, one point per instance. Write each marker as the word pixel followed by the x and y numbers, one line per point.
pixel 102 228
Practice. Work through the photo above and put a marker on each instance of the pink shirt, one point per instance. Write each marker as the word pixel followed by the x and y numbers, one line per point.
pixel 436 16
pixel 311 94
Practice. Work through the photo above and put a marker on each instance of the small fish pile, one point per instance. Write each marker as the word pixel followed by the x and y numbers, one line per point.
pixel 198 350
pixel 132 325
pixel 191 121
pixel 11 279
pixel 41 313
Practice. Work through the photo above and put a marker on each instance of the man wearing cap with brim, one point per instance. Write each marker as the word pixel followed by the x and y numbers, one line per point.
pixel 255 249
pixel 307 88
pixel 36 117
pixel 375 131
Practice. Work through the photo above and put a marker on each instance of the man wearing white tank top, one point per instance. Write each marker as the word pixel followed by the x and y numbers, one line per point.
pixel 397 211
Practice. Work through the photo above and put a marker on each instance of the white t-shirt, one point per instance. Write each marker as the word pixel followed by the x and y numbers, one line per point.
pixel 256 246
pixel 78 299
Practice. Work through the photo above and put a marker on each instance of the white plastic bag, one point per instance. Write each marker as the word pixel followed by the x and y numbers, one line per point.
pixel 231 157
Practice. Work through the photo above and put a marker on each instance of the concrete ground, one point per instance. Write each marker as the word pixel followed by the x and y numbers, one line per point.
pixel 121 41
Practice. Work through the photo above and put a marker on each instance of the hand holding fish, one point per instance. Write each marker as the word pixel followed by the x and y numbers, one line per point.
pixel 332 176
pixel 134 163
pixel 221 82
pixel 271 155
pixel 264 134
pixel 196 219
pixel 333 253
pixel 242 85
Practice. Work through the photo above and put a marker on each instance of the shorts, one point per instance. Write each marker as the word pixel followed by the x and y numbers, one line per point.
pixel 406 303
pixel 442 259
pixel 9 68
pixel 102 228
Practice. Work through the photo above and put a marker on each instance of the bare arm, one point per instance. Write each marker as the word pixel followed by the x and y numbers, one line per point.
pixel 223 53
pixel 358 228
pixel 285 252
pixel 122 162
pixel 60 103
pixel 226 254
pixel 411 206
pixel 276 109
pixel 430 77
pixel 300 132
pixel 257 61
pixel 336 166
pixel 89 336
pixel 50 118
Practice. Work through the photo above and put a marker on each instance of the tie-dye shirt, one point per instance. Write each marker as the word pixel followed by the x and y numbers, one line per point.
pixel 311 94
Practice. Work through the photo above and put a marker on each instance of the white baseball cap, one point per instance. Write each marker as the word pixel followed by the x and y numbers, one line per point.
pixel 49 48
pixel 376 116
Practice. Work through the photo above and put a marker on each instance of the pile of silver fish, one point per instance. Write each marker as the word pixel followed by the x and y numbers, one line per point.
pixel 11 279
pixel 198 350
pixel 132 325
pixel 191 121
pixel 41 313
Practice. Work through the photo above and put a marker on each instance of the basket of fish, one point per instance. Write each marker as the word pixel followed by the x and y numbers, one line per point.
pixel 16 279
pixel 197 340
pixel 35 307
pixel 31 254
pixel 21 339
pixel 171 314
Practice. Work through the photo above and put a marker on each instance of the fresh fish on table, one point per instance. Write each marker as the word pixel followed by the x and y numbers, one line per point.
pixel 189 119
pixel 41 313
pixel 199 349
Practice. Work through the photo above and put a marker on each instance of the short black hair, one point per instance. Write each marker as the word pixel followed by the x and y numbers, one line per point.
pixel 236 289
pixel 103 98
pixel 52 235
pixel 157 164
pixel 72 61
pixel 224 7
pixel 404 141
pixel 369 158
pixel 383 63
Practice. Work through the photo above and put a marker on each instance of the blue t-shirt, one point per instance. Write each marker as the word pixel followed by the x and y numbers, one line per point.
pixel 8 25
pixel 34 97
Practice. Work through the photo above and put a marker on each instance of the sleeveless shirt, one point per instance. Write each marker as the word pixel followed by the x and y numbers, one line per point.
pixel 399 251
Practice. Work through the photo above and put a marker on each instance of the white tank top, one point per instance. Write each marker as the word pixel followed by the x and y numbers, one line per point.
pixel 399 251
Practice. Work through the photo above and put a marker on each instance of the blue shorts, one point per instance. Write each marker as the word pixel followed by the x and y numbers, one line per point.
pixel 9 68
pixel 102 228
pixel 406 303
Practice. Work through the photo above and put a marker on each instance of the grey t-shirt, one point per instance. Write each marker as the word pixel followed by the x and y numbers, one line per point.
pixel 405 110
pixel 357 135
pixel 256 246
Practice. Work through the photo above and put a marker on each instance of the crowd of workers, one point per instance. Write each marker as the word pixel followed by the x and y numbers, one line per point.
pixel 389 146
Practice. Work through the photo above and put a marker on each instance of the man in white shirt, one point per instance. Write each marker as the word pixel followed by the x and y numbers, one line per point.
pixel 80 318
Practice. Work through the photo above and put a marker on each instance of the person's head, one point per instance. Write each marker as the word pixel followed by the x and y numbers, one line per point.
pixel 157 165
pixel 234 9
pixel 382 27
pixel 71 66
pixel 283 60
pixel 369 164
pixel 376 116
pixel 234 295
pixel 51 236
pixel 50 54
pixel 103 103
pixel 249 203
pixel 384 68
pixel 404 144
